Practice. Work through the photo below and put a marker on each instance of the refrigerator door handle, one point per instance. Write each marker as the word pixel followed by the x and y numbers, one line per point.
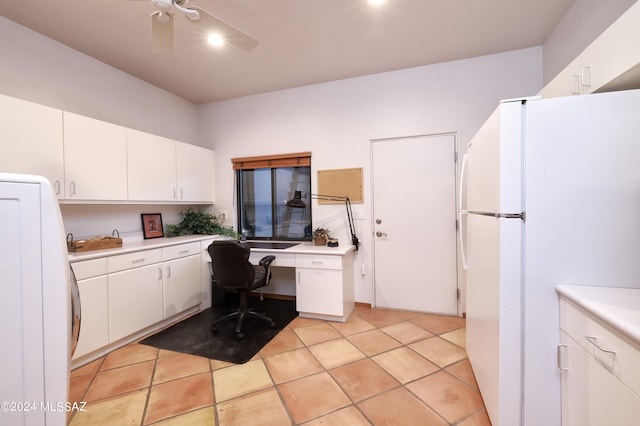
pixel 521 216
pixel 463 169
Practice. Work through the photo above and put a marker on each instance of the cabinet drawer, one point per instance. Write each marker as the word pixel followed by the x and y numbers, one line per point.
pixel 181 250
pixel 90 268
pixel 282 259
pixel 618 354
pixel 318 261
pixel 133 260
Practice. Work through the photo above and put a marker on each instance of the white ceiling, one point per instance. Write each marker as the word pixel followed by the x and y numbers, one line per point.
pixel 301 41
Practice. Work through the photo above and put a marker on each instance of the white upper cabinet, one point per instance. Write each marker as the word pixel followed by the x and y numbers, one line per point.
pixel 31 140
pixel 161 169
pixel 95 158
pixel 195 173
pixel 89 160
pixel 151 166
pixel 609 58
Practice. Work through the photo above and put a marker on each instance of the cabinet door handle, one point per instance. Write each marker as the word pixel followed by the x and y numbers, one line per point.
pixel 159 273
pixel 137 261
pixel 56 187
pixel 594 341
pixel 586 76
pixel 299 276
pixel 174 193
pixel 181 194
pixel 575 84
pixel 183 252
pixel 317 262
pixel 560 357
pixel 72 188
pixel 168 271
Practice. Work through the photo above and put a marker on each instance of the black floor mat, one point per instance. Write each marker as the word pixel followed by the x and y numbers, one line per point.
pixel 193 335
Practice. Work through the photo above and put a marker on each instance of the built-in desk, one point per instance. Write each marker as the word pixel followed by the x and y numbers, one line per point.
pixel 324 278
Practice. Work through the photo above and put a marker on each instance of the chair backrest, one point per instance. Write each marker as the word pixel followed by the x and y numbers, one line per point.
pixel 230 264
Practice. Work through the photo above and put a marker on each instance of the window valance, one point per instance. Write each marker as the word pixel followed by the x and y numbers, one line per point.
pixel 298 159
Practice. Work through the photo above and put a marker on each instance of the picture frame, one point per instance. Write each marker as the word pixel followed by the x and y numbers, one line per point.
pixel 152 225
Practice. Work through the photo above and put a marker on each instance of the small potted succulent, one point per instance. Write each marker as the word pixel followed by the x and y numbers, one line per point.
pixel 320 236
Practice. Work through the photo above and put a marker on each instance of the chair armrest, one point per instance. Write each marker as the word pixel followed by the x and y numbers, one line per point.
pixel 266 261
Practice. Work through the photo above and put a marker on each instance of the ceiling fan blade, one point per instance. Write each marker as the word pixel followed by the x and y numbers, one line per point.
pixel 231 35
pixel 162 32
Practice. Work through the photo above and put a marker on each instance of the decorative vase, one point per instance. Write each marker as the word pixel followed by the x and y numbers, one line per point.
pixel 320 240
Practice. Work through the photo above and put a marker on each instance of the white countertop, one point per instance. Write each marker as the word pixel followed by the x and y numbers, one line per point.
pixel 309 248
pixel 618 307
pixel 133 245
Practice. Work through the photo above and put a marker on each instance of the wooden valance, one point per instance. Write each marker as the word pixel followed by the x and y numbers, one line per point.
pixel 298 159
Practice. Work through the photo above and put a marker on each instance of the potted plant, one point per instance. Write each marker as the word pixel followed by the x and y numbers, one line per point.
pixel 199 222
pixel 320 236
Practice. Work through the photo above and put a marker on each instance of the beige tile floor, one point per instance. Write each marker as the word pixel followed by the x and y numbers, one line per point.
pixel 381 367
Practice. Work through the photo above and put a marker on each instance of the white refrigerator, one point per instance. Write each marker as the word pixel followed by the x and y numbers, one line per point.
pixel 39 304
pixel 552 197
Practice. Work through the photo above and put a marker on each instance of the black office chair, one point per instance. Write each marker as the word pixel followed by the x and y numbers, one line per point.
pixel 231 269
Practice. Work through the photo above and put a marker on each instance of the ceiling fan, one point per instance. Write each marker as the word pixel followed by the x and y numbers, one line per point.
pixel 219 31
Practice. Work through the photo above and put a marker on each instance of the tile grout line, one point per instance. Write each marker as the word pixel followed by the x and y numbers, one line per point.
pixel 325 370
pixel 146 402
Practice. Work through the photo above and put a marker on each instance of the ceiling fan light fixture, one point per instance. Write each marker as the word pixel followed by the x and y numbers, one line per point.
pixel 161 16
pixel 215 39
pixel 163 5
pixel 190 13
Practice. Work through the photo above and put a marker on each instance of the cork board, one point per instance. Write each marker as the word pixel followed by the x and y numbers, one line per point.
pixel 341 182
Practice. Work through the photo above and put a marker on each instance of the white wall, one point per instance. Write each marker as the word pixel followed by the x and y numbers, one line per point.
pixel 44 71
pixel 336 121
pixel 39 69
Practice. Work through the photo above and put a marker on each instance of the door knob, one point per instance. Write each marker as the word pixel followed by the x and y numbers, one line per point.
pixel 378 221
pixel 381 234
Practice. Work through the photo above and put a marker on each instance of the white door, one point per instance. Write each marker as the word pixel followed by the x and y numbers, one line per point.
pixel 414 215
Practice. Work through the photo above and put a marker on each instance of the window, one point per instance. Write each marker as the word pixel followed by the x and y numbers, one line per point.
pixel 264 184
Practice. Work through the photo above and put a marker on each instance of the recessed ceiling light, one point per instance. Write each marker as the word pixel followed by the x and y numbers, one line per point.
pixel 215 39
pixel 376 2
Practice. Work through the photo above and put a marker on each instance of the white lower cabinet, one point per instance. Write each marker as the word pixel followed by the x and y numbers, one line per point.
pixel 599 372
pixel 182 282
pixel 135 300
pixel 94 325
pixel 319 291
pixel 324 286
pixel 205 268
pixel 124 294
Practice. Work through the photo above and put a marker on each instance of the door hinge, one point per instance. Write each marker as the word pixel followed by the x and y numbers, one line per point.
pixel 457 225
pixel 455 156
pixel 457 293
